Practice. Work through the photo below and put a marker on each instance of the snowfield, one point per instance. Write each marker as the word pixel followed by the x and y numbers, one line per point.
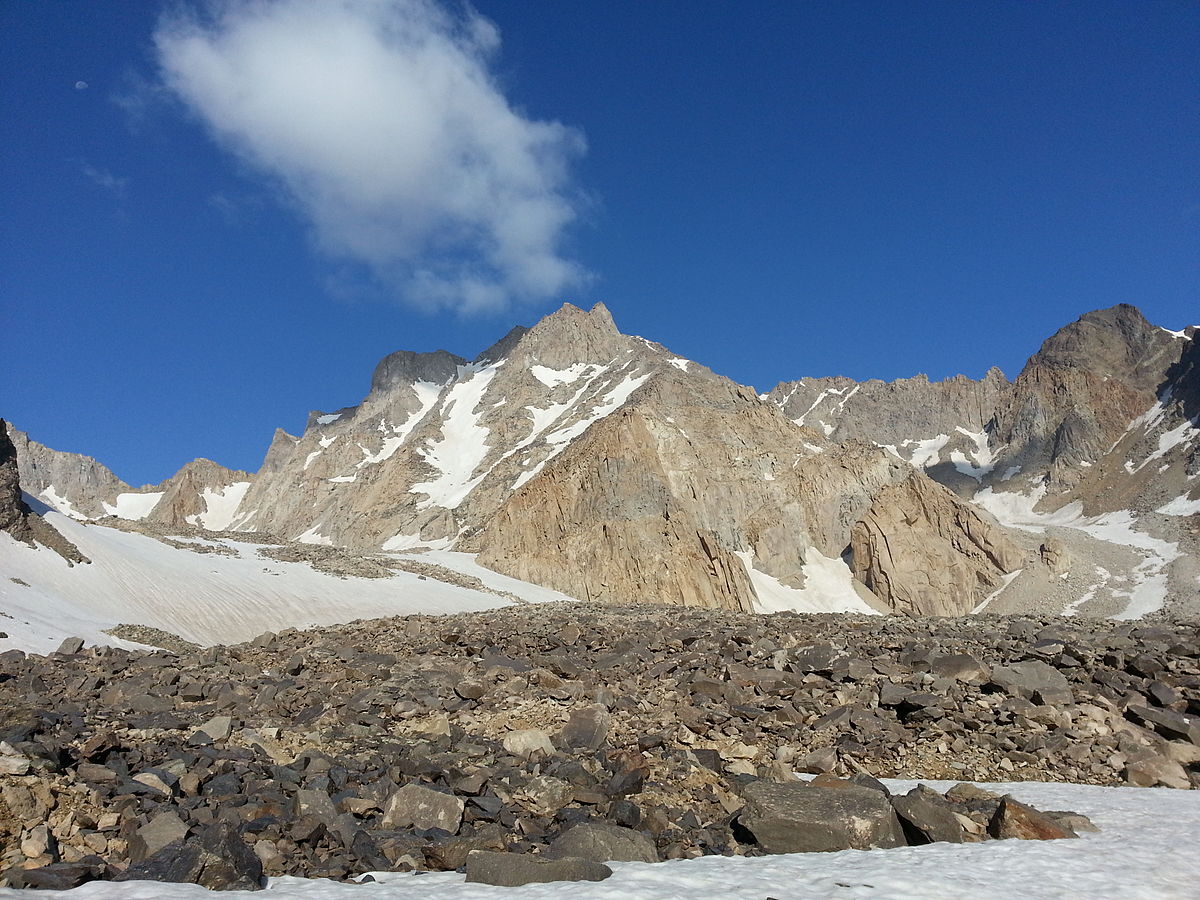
pixel 1145 851
pixel 204 597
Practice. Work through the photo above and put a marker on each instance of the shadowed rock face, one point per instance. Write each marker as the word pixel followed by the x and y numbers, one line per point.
pixel 1079 392
pixel 16 517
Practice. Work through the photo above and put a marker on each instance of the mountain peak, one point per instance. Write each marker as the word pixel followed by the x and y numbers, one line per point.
pixel 571 335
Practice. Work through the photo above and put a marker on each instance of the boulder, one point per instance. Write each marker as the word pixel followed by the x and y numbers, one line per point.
pixel 527 742
pixel 586 729
pixel 423 808
pixel 799 818
pixel 516 869
pixel 1033 680
pixel 927 816
pixel 604 843
pixel 218 860
pixel 1016 820
pixel 165 828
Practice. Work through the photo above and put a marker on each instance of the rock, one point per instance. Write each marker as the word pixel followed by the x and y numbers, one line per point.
pixel 1168 722
pixel 926 814
pixel 37 842
pixel 1034 680
pixel 604 843
pixel 70 646
pixel 61 876
pixel 215 729
pixel 165 828
pixel 13 762
pixel 218 860
pixel 516 869
pixel 924 551
pixel 824 759
pixel 423 808
pixel 1150 770
pixel 960 667
pixel 1016 820
pixel 527 742
pixel 798 818
pixel 544 795
pixel 586 729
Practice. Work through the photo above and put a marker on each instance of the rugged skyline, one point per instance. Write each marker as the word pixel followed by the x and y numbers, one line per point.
pixel 886 190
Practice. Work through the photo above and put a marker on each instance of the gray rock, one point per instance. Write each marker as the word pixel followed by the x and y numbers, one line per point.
pixel 527 742
pixel 603 843
pixel 586 729
pixel 1034 680
pixel 799 818
pixel 165 828
pixel 516 869
pixel 317 804
pixel 218 860
pixel 423 808
pixel 70 646
pixel 929 815
pixel 1168 722
pixel 960 667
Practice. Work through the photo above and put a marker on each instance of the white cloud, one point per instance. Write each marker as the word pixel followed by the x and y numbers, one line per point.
pixel 383 123
pixel 111 184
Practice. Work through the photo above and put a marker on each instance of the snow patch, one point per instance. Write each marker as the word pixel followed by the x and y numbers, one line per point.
pixel 314 536
pixel 679 362
pixel 61 504
pixel 828 587
pixel 329 419
pixel 203 597
pixel 985 459
pixel 463 445
pixel 1181 506
pixel 134 507
pixel 1148 588
pixel 552 378
pixel 220 506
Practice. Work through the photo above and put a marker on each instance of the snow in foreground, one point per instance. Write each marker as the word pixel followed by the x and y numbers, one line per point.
pixel 1145 850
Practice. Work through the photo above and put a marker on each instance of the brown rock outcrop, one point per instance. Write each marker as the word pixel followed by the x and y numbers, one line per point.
pixel 923 551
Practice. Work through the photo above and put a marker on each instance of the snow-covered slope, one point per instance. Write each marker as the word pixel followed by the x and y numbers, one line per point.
pixel 224 591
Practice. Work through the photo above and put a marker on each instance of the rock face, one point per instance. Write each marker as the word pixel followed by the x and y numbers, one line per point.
pixel 923 551
pixel 1081 390
pixel 16 517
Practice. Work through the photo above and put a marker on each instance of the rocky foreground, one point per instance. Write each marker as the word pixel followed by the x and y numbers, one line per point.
pixel 549 738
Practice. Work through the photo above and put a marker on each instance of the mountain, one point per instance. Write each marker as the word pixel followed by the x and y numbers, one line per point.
pixel 603 466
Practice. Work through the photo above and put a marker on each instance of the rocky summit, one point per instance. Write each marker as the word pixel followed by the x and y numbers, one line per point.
pixel 536 743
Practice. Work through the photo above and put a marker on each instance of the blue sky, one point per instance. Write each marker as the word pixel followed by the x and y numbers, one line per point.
pixel 218 218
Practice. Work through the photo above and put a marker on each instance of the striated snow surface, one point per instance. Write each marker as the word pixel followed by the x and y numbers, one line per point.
pixel 1143 852
pixel 203 597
